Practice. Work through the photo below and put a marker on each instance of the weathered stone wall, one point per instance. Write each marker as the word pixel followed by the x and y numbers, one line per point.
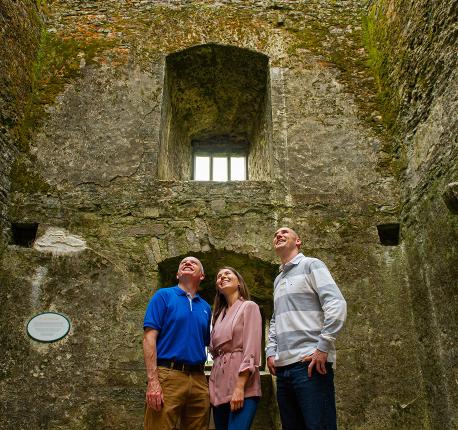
pixel 413 52
pixel 97 125
pixel 19 37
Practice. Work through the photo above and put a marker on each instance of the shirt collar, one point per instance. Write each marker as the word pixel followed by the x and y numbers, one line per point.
pixel 292 262
pixel 180 292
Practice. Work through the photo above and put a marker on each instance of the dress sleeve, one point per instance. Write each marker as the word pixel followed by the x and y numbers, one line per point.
pixel 252 335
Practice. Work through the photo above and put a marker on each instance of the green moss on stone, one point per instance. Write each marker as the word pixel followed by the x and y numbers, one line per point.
pixel 57 64
pixel 335 40
pixel 378 47
pixel 24 179
pixel 17 52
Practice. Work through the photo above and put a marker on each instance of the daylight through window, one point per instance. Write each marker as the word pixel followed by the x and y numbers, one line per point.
pixel 220 167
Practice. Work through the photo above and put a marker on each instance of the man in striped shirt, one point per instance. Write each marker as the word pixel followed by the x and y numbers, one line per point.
pixel 309 311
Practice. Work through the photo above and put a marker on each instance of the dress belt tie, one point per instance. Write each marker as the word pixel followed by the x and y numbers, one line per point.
pixel 223 356
pixel 220 352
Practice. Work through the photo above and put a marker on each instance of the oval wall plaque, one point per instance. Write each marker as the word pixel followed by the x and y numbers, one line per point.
pixel 48 327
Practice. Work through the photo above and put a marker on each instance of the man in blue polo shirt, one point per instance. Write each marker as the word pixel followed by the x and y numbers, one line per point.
pixel 176 331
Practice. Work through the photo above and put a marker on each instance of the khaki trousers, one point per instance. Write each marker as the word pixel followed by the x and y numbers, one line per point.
pixel 186 402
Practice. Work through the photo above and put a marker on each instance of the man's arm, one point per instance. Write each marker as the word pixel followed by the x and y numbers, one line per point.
pixel 154 397
pixel 335 312
pixel 271 347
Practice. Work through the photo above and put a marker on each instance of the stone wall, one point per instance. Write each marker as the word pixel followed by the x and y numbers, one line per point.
pixel 19 37
pixel 111 230
pixel 414 57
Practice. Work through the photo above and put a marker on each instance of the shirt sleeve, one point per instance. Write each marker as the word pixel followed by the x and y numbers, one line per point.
pixel 155 312
pixel 271 347
pixel 332 302
pixel 252 335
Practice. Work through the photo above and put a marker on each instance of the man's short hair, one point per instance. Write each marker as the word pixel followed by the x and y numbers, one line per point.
pixel 295 233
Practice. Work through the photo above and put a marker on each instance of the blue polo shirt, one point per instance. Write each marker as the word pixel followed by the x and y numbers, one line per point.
pixel 183 324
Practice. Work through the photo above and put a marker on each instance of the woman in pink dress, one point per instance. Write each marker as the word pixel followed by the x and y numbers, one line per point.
pixel 235 344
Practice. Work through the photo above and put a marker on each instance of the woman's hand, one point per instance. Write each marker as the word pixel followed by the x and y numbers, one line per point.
pixel 237 398
pixel 239 392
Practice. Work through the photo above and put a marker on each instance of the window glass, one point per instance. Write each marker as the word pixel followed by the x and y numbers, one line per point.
pixel 238 169
pixel 202 168
pixel 220 169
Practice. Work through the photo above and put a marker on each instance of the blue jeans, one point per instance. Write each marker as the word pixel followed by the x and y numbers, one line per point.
pixel 306 403
pixel 238 420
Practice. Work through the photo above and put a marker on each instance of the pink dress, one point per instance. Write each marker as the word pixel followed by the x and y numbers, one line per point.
pixel 236 346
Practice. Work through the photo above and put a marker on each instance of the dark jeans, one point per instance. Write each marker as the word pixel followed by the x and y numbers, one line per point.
pixel 306 403
pixel 238 420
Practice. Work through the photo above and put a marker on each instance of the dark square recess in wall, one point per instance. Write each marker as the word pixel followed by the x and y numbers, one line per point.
pixel 24 233
pixel 388 234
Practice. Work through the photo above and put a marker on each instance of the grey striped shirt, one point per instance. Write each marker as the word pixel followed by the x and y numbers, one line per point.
pixel 309 311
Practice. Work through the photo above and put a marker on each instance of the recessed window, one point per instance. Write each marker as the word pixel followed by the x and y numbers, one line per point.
pixel 217 95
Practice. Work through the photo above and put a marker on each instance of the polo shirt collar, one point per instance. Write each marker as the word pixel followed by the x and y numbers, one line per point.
pixel 292 262
pixel 180 292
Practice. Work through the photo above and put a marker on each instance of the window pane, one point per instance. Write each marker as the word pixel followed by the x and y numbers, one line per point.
pixel 220 168
pixel 238 169
pixel 202 168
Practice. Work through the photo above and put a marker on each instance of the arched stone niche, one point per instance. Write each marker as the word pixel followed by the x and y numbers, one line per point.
pixel 258 274
pixel 215 95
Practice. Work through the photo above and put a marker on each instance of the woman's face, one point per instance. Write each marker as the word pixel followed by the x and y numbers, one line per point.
pixel 226 281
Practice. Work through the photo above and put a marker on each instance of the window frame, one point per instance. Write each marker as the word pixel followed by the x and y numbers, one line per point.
pixel 217 152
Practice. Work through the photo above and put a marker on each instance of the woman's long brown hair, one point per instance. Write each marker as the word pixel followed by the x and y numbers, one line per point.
pixel 219 304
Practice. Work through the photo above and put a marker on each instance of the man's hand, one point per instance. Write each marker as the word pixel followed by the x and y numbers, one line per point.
pixel 318 359
pixel 238 397
pixel 271 364
pixel 154 397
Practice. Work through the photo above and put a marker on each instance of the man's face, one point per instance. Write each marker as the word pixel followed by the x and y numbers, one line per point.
pixel 190 267
pixel 285 240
